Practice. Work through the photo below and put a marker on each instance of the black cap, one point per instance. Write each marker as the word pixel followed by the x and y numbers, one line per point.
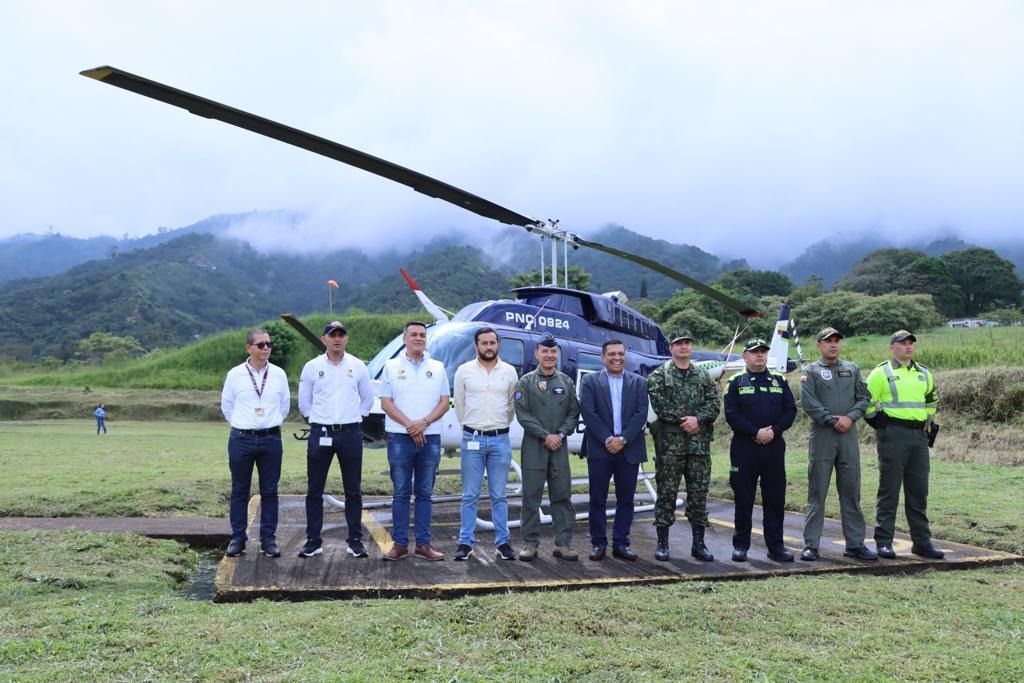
pixel 755 344
pixel 902 335
pixel 335 325
pixel 548 342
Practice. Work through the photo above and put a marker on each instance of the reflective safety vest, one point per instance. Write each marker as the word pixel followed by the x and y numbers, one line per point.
pixel 906 392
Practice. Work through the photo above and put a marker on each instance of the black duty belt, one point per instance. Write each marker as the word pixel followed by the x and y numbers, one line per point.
pixel 485 432
pixel 909 424
pixel 336 428
pixel 259 432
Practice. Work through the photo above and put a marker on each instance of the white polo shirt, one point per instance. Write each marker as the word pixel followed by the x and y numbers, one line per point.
pixel 483 400
pixel 250 403
pixel 415 389
pixel 335 394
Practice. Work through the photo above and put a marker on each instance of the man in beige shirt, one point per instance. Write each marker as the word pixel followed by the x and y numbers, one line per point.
pixel 483 404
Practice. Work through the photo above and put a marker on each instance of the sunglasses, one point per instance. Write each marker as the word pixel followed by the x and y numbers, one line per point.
pixel 263 345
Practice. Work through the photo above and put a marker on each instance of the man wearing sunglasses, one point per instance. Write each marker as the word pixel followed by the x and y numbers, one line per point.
pixel 334 395
pixel 255 401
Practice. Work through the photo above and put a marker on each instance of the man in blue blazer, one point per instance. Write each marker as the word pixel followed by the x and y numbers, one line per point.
pixel 613 404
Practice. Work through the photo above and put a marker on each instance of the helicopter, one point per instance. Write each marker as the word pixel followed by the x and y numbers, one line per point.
pixel 581 321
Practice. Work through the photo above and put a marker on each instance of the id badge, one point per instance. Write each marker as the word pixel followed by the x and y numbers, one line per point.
pixel 258 411
pixel 472 445
pixel 326 441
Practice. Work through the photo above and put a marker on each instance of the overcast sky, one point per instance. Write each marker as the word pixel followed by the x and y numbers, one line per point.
pixel 748 129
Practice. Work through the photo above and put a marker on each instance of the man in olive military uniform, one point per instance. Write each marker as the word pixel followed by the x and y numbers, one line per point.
pixel 903 402
pixel 685 399
pixel 759 406
pixel 834 396
pixel 548 410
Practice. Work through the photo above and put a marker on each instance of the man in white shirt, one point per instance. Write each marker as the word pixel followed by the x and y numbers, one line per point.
pixel 334 396
pixel 414 397
pixel 483 405
pixel 255 401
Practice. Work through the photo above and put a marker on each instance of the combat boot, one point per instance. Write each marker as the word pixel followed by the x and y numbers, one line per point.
pixel 699 550
pixel 661 552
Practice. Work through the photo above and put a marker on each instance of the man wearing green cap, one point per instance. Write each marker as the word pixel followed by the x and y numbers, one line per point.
pixel 548 410
pixel 759 407
pixel 685 399
pixel 834 396
pixel 903 402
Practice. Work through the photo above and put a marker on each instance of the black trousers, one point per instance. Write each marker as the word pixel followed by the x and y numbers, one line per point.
pixel 753 463
pixel 347 444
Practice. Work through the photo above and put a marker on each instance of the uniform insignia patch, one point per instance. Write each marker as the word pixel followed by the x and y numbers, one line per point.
pixel 826 374
pixel 845 373
pixel 775 382
pixel 542 384
pixel 920 378
pixel 320 374
pixel 558 390
pixel 429 373
pixel 518 395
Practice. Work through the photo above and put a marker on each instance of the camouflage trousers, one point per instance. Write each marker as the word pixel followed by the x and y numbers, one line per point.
pixel 669 470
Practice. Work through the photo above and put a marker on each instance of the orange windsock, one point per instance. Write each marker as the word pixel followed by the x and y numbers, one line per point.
pixel 333 283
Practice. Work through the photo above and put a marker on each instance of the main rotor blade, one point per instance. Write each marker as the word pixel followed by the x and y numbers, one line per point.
pixel 722 298
pixel 214 110
pixel 304 331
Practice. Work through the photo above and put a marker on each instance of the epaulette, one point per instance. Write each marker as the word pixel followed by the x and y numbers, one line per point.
pixel 776 374
pixel 738 374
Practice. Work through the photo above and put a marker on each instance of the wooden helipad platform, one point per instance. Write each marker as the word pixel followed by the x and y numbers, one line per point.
pixel 336 575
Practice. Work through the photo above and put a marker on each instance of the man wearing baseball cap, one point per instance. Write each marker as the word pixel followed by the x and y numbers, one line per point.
pixel 834 396
pixel 903 402
pixel 759 406
pixel 334 395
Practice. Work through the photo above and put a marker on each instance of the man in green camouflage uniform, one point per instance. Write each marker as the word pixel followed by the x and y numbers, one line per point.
pixel 686 401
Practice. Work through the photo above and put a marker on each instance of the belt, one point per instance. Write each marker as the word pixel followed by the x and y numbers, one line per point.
pixel 485 432
pixel 909 424
pixel 259 432
pixel 335 428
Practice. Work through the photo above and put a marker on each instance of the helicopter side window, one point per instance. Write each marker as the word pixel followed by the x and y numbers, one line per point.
pixel 590 362
pixel 513 352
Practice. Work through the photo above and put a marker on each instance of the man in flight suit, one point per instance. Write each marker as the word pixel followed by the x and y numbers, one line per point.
pixel 834 396
pixel 547 409
pixel 759 407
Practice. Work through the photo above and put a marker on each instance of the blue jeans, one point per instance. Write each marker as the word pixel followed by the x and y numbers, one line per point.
pixel 348 444
pixel 245 451
pixel 412 465
pixel 101 423
pixel 495 455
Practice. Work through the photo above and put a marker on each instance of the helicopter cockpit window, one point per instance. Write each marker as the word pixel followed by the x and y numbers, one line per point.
pixel 513 352
pixel 452 344
pixel 556 302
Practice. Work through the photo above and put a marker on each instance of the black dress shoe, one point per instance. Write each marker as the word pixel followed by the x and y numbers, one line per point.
pixel 270 549
pixel 885 550
pixel 235 548
pixel 780 555
pixel 927 550
pixel 861 553
pixel 598 552
pixel 810 555
pixel 739 555
pixel 624 553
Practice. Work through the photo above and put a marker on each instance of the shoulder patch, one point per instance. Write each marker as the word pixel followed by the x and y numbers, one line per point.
pixel 518 395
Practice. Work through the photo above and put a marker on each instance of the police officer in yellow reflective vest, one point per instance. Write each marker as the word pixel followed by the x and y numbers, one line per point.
pixel 903 402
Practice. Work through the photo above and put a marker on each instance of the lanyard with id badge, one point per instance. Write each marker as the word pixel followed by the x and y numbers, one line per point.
pixel 326 439
pixel 258 410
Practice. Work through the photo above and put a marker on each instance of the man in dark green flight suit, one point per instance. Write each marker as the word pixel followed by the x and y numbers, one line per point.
pixel 834 396
pixel 548 410
pixel 685 399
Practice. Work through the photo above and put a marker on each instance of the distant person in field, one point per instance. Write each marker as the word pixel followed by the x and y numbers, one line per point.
pixel 334 395
pixel 255 401
pixel 101 418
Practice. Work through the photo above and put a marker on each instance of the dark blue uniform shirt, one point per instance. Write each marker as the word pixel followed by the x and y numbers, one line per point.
pixel 754 400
